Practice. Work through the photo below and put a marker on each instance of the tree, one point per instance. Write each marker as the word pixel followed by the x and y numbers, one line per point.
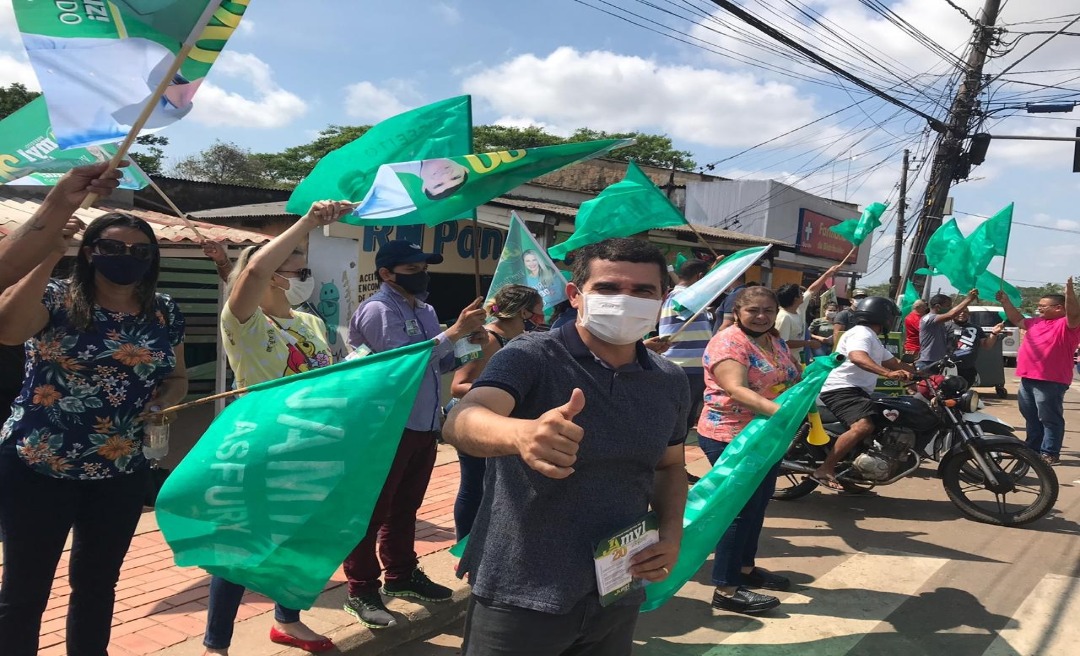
pixel 881 289
pixel 291 165
pixel 225 162
pixel 488 138
pixel 651 149
pixel 13 97
pixel 150 162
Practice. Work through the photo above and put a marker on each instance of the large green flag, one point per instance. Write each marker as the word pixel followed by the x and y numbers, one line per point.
pixel 441 129
pixel 990 239
pixel 948 254
pixel 523 262
pixel 626 208
pixel 857 230
pixel 431 191
pixel 98 62
pixel 29 154
pixel 281 487
pixel 990 284
pixel 720 495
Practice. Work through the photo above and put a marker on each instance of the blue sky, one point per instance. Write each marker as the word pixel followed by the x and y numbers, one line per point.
pixel 294 68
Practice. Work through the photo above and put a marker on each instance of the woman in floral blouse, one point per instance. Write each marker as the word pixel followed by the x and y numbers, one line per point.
pixel 747 365
pixel 103 349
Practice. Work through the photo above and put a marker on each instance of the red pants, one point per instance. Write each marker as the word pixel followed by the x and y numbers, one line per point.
pixel 393 522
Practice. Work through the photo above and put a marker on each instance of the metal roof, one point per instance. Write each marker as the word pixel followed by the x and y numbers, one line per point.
pixel 16 208
pixel 728 235
pixel 274 209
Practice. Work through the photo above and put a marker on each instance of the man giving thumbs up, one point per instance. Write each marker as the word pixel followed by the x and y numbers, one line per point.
pixel 584 428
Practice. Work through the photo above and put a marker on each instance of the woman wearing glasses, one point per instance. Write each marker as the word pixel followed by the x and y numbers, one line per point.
pixel 103 349
pixel 265 338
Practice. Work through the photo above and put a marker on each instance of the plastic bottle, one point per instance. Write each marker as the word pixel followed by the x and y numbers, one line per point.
pixel 156 436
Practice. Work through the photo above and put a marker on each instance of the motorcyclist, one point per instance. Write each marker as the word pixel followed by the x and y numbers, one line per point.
pixel 847 390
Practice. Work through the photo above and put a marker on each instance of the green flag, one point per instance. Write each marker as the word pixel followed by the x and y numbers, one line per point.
pixel 625 208
pixel 720 495
pixel 693 299
pixel 948 254
pixel 857 230
pixel 435 190
pixel 990 239
pixel 281 487
pixel 680 260
pixel 29 154
pixel 990 284
pixel 523 262
pixel 441 129
pixel 908 301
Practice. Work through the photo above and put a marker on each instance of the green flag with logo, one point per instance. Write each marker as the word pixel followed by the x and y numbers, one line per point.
pixel 441 129
pixel 29 154
pixel 625 208
pixel 523 262
pixel 431 191
pixel 720 495
pixel 282 485
pixel 857 230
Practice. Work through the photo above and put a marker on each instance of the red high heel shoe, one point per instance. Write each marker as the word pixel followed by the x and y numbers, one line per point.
pixel 314 646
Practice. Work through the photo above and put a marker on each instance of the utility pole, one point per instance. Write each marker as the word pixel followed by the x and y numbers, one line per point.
pixel 898 244
pixel 950 149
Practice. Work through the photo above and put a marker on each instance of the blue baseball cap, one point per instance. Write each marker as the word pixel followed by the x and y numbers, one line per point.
pixel 403 251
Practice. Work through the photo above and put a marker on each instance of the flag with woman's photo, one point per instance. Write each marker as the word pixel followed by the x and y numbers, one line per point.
pixel 432 191
pixel 523 262
pixel 98 63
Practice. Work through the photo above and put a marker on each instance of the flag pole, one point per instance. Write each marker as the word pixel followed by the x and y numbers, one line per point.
pixel 476 254
pixel 174 208
pixel 158 92
pixel 672 336
pixel 716 256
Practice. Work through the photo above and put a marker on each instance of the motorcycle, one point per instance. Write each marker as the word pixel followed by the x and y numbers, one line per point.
pixel 989 474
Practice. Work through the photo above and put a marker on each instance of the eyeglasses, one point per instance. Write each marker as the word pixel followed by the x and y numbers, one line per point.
pixel 117 247
pixel 301 274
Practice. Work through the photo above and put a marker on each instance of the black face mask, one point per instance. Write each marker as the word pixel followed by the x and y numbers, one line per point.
pixel 753 333
pixel 120 269
pixel 413 283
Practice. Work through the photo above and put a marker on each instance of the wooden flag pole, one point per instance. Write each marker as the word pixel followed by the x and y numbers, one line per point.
pixel 704 243
pixel 672 336
pixel 476 255
pixel 158 92
pixel 174 208
pixel 204 400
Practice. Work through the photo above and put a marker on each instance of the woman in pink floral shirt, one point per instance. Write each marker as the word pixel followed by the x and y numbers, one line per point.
pixel 746 366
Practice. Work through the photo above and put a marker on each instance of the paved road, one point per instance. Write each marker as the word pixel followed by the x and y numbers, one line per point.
pixel 897 573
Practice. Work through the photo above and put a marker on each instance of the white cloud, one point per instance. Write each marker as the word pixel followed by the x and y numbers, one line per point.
pixel 608 91
pixel 367 102
pixel 270 107
pixel 246 27
pixel 450 14
pixel 14 69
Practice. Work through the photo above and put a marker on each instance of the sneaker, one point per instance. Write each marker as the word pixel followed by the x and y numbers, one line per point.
pixel 1050 459
pixel 763 578
pixel 370 610
pixel 418 586
pixel 744 601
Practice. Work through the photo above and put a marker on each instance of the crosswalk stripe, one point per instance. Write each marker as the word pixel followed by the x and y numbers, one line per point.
pixel 1045 623
pixel 841 607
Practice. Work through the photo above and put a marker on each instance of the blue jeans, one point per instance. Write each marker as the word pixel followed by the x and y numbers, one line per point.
pixel 225 598
pixel 738 547
pixel 1042 403
pixel 470 493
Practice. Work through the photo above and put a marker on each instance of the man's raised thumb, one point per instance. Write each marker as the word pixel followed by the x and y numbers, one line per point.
pixel 576 404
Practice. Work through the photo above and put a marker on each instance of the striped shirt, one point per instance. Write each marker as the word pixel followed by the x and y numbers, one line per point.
pixel 688 349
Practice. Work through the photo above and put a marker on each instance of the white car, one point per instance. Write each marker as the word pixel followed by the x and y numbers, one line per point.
pixel 988 316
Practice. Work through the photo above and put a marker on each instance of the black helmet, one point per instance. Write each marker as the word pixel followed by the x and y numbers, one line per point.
pixel 877 310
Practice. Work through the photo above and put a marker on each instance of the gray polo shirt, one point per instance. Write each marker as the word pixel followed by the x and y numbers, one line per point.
pixel 933 339
pixel 533 541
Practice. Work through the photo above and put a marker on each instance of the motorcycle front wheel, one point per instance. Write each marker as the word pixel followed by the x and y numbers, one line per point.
pixel 1035 486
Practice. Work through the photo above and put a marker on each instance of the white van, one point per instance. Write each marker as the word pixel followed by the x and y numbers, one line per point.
pixel 988 316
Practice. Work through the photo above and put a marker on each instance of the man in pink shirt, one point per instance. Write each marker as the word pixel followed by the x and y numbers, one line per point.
pixel 1044 365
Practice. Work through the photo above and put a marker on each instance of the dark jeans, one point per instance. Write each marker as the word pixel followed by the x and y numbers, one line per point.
pixel 393 522
pixel 589 629
pixel 37 512
pixel 225 598
pixel 470 493
pixel 1042 403
pixel 738 547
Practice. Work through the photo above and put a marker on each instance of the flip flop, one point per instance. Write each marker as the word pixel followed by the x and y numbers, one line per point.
pixel 830 484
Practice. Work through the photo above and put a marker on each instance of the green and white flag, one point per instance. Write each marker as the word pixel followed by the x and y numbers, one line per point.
pixel 431 191
pixel 282 485
pixel 693 299
pixel 29 154
pixel 857 230
pixel 523 262
pixel 628 207
pixel 99 61
pixel 441 129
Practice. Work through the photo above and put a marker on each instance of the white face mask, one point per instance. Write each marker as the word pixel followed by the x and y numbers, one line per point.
pixel 298 291
pixel 618 319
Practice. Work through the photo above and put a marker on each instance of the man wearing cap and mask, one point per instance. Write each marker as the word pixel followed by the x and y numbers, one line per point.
pixel 395 316
pixel 845 319
pixel 583 428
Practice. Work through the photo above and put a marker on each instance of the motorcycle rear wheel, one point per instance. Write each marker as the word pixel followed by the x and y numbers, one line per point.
pixel 1036 486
